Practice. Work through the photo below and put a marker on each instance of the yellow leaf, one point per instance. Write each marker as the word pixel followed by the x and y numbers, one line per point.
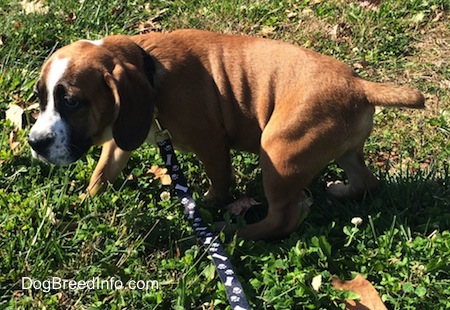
pixel 370 300
pixel 166 179
pixel 316 282
pixel 160 173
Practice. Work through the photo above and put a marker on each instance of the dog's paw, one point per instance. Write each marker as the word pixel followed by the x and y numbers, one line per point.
pixel 342 191
pixel 338 189
pixel 214 200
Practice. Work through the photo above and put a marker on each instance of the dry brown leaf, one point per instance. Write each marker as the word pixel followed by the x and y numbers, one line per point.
pixel 369 3
pixel 152 24
pixel 160 173
pixel 267 31
pixel 70 18
pixel 360 64
pixel 370 299
pixel 241 205
pixel 13 144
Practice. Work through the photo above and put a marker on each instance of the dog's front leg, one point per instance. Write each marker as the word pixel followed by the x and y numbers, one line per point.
pixel 112 161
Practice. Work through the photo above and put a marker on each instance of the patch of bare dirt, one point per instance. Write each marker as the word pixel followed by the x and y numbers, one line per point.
pixel 433 59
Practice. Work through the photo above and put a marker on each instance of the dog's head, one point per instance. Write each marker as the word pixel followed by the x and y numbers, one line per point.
pixel 90 92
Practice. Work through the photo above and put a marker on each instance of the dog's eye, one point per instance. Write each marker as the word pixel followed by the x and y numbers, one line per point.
pixel 71 102
pixel 66 100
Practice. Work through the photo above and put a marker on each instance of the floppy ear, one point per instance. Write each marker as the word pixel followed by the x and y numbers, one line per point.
pixel 134 98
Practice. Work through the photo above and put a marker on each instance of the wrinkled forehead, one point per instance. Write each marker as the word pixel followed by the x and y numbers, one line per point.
pixel 79 62
pixel 60 57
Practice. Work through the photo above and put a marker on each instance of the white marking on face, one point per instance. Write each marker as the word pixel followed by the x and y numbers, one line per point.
pixel 50 123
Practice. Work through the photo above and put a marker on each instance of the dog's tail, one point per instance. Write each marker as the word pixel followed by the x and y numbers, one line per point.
pixel 380 94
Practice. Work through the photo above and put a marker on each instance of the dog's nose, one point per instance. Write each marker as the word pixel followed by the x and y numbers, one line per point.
pixel 40 144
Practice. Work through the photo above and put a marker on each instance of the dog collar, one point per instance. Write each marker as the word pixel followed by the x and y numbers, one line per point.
pixel 149 66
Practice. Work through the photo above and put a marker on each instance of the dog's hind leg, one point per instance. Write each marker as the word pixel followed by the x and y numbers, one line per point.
pixel 290 158
pixel 361 179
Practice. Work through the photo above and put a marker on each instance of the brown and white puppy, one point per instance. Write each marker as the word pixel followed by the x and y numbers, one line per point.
pixel 297 109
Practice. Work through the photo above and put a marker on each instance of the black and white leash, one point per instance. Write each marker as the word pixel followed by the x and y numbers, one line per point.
pixel 233 288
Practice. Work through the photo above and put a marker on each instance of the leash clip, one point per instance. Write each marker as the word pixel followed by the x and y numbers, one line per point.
pixel 161 134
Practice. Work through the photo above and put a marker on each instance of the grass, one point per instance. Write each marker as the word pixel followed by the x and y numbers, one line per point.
pixel 402 245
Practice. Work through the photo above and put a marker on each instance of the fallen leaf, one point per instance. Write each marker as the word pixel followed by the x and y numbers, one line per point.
pixel 13 144
pixel 70 18
pixel 370 299
pixel 160 173
pixel 37 6
pixel 267 31
pixel 371 4
pixel 14 114
pixel 418 18
pixel 360 64
pixel 316 282
pixel 152 23
pixel 148 26
pixel 438 16
pixel 63 298
pixel 334 31
pixel 241 205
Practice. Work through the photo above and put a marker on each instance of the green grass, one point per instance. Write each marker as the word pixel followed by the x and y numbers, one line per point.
pixel 402 246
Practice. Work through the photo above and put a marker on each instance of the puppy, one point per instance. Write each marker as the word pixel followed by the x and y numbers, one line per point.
pixel 297 109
